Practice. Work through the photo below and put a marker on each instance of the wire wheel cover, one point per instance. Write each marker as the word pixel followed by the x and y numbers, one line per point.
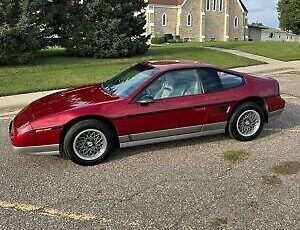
pixel 248 123
pixel 90 144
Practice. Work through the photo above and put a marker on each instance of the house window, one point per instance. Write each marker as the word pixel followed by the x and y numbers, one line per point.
pixel 271 35
pixel 220 5
pixel 189 20
pixel 207 5
pixel 164 19
pixel 236 22
pixel 214 5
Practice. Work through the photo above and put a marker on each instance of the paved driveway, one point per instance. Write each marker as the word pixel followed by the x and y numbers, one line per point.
pixel 176 185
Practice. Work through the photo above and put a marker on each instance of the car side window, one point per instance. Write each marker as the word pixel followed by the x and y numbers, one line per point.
pixel 176 83
pixel 214 80
pixel 230 80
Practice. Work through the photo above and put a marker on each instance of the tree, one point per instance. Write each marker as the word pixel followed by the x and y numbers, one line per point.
pixel 94 28
pixel 108 28
pixel 289 15
pixel 19 31
pixel 10 12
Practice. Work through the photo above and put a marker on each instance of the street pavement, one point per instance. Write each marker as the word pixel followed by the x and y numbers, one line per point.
pixel 177 185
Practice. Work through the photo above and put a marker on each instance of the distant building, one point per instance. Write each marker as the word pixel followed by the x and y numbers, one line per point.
pixel 259 32
pixel 201 20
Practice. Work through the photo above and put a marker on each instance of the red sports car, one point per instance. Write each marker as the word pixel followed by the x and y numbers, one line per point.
pixel 150 102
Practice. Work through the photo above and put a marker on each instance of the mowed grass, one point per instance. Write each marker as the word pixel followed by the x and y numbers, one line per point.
pixel 284 51
pixel 52 69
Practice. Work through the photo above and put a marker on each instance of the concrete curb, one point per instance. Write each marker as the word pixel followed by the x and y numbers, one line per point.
pixel 10 104
pixel 247 55
pixel 14 102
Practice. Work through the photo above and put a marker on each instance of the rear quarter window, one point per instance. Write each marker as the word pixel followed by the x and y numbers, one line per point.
pixel 230 80
pixel 214 80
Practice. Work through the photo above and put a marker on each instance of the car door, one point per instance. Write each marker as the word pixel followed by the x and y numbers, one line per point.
pixel 177 107
pixel 223 91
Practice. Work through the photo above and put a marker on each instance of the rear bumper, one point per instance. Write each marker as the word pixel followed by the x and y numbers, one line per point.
pixel 43 150
pixel 274 114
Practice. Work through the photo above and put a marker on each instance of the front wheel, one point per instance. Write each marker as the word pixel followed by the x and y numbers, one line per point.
pixel 88 142
pixel 247 122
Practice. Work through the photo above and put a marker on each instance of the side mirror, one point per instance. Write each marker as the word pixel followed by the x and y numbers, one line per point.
pixel 146 100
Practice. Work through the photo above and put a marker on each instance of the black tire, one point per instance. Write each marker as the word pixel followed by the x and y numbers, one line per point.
pixel 234 129
pixel 81 130
pixel 62 153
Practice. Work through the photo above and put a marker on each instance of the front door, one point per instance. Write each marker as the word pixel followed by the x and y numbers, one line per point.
pixel 178 107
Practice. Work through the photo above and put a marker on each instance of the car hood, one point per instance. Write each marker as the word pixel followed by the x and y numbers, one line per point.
pixel 68 100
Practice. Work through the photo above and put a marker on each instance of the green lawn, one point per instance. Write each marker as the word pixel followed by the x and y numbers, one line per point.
pixel 52 70
pixel 284 51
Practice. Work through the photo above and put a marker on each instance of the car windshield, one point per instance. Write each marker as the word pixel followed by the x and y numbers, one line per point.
pixel 128 81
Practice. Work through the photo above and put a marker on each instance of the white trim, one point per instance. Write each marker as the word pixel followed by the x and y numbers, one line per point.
pixel 184 2
pixel 166 6
pixel 241 6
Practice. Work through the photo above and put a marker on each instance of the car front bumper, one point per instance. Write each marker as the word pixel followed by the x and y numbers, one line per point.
pixel 43 150
pixel 33 150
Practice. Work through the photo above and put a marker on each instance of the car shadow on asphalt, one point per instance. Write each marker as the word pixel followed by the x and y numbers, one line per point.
pixel 289 119
pixel 119 154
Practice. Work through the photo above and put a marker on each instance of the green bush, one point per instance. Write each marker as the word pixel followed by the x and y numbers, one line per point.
pixel 95 28
pixel 158 40
pixel 17 44
pixel 175 41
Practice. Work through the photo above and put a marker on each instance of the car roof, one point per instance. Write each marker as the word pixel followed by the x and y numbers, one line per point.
pixel 166 65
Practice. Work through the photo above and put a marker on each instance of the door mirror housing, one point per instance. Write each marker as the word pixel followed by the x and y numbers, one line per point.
pixel 145 100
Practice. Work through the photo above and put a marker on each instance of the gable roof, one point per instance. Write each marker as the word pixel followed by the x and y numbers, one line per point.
pixel 243 6
pixel 180 2
pixel 166 2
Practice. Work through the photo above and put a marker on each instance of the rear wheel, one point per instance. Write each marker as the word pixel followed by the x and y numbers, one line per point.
pixel 247 122
pixel 88 142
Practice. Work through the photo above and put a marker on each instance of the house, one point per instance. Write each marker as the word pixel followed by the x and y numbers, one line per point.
pixel 259 32
pixel 201 20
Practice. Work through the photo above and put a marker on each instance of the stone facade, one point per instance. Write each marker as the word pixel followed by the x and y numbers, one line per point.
pixel 202 20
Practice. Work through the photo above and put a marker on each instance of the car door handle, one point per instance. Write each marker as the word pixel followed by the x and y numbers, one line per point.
pixel 199 109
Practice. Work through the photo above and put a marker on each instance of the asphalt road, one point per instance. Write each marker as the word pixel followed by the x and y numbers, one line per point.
pixel 177 185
